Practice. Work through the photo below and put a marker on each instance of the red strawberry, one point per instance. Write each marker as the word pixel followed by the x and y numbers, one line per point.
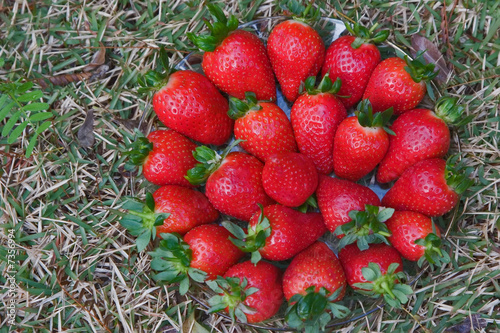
pixel 316 266
pixel 420 134
pixel 233 181
pixel 263 126
pixel 361 142
pixel 416 238
pixel 278 233
pixel 296 52
pixel 236 61
pixel 430 187
pixel 376 271
pixel 315 117
pixel 353 59
pixel 250 292
pixel 289 178
pixel 205 253
pixel 190 104
pixel 312 283
pixel 399 84
pixel 171 208
pixel 165 156
pixel 337 197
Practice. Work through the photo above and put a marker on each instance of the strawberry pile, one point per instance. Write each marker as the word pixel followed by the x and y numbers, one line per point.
pixel 223 216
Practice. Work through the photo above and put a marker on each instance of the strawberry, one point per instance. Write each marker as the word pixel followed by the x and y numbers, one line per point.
pixel 398 83
pixel 337 197
pixel 235 60
pixel 233 181
pixel 315 116
pixel 361 142
pixel 203 254
pixel 420 134
pixel 430 187
pixel 353 59
pixel 278 233
pixel 289 178
pixel 250 292
pixel 264 127
pixel 376 271
pixel 416 238
pixel 190 104
pixel 171 208
pixel 296 51
pixel 165 156
pixel 312 283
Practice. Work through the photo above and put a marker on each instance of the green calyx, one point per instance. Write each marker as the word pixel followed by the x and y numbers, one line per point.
pixel 140 149
pixel 252 240
pixel 142 221
pixel 389 284
pixel 452 113
pixel 314 310
pixel 154 80
pixel 171 261
pixel 306 14
pixel 419 70
pixel 366 227
pixel 325 86
pixel 209 160
pixel 367 119
pixel 432 253
pixel 311 202
pixel 219 29
pixel 366 36
pixel 454 176
pixel 239 108
pixel 232 295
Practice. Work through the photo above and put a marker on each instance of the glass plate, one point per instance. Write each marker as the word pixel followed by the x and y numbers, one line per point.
pixel 329 30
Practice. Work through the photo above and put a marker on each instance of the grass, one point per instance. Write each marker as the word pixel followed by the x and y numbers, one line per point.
pixel 75 267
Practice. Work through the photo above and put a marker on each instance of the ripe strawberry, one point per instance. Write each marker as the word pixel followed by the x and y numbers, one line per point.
pixel 376 271
pixel 296 52
pixel 171 208
pixel 315 116
pixel 190 104
pixel 361 142
pixel 312 283
pixel 289 178
pixel 398 83
pixel 233 181
pixel 165 156
pixel 236 61
pixel 264 127
pixel 250 292
pixel 205 253
pixel 430 187
pixel 416 238
pixel 420 134
pixel 337 197
pixel 353 59
pixel 278 233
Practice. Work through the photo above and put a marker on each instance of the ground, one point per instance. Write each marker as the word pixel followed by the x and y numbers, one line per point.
pixel 68 265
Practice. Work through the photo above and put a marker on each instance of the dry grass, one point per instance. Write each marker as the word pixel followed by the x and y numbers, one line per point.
pixel 76 268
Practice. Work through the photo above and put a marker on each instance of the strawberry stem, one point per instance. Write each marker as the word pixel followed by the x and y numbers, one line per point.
pixel 452 114
pixel 366 119
pixel 239 108
pixel 325 86
pixel 455 179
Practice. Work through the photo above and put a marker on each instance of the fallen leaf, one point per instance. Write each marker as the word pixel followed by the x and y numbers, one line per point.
pixel 431 55
pixel 97 60
pixel 474 322
pixel 86 131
